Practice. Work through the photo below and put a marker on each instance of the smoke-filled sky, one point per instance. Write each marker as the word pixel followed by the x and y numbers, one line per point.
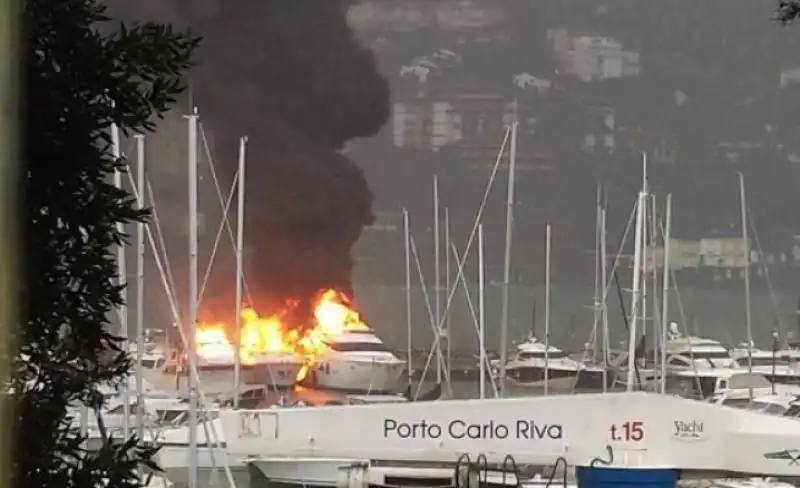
pixel 290 75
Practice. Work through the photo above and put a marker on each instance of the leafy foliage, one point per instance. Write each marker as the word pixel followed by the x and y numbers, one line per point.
pixel 69 208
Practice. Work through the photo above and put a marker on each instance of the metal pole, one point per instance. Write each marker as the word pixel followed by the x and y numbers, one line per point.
pixel 512 166
pixel 122 280
pixel 597 281
pixel 407 236
pixel 547 251
pixel 636 298
pixel 481 315
pixel 437 279
pixel 237 371
pixel 774 354
pixel 192 322
pixel 645 243
pixel 748 311
pixel 449 362
pixel 140 250
pixel 604 291
pixel 665 293
pixel 657 325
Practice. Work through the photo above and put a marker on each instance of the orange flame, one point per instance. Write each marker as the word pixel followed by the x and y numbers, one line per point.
pixel 333 316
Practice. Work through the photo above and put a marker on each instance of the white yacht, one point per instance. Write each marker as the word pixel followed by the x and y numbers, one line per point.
pixel 695 353
pixel 713 382
pixel 761 401
pixel 780 366
pixel 276 371
pixel 527 369
pixel 358 361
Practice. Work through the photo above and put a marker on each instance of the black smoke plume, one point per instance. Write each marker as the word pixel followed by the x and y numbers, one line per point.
pixel 291 75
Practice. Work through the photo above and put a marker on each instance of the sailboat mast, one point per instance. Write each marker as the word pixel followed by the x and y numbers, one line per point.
pixel 512 166
pixel 636 299
pixel 437 279
pixel 645 243
pixel 193 275
pixel 604 306
pixel 665 293
pixel 407 238
pixel 547 250
pixel 122 280
pixel 140 250
pixel 596 297
pixel 657 325
pixel 447 252
pixel 747 305
pixel 481 315
pixel 237 369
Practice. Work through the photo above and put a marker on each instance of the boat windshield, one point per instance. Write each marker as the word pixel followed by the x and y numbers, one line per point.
pixel 722 354
pixel 765 361
pixel 153 363
pixel 691 386
pixel 180 418
pixel 359 347
pixel 525 355
pixel 756 405
pixel 172 417
pixel 774 409
pixel 793 411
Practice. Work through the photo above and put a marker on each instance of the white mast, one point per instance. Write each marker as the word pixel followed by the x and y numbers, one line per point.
pixel 122 280
pixel 449 361
pixel 636 299
pixel 237 370
pixel 597 286
pixel 547 250
pixel 192 322
pixel 657 325
pixel 604 304
pixel 437 281
pixel 481 316
pixel 140 250
pixel 665 294
pixel 512 166
pixel 645 218
pixel 407 236
pixel 747 309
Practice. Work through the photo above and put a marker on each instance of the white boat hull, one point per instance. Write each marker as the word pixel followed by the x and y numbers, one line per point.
pixel 278 374
pixel 359 375
pixel 561 380
pixel 218 383
pixel 556 385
